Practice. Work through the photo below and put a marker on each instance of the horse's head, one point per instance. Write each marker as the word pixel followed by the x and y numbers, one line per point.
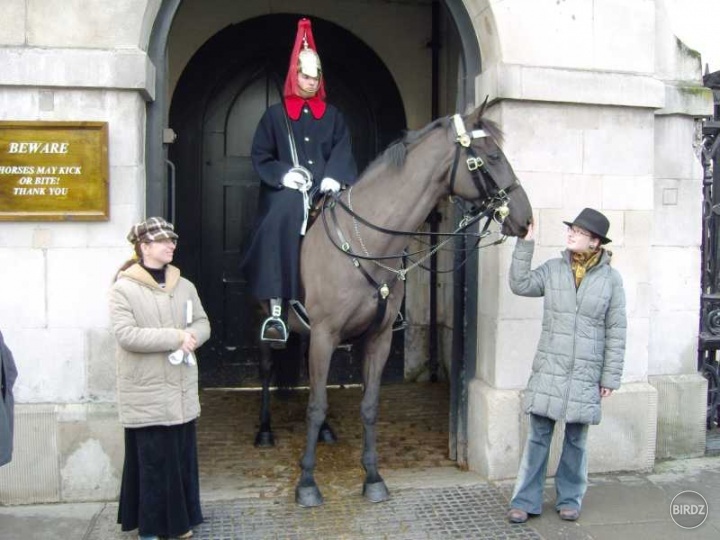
pixel 482 174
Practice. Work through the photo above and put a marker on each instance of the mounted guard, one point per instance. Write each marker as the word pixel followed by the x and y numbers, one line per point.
pixel 301 148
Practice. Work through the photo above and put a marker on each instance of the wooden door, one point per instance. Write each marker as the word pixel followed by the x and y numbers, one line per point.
pixel 216 108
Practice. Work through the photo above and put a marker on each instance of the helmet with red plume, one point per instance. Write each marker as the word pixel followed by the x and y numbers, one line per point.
pixel 305 60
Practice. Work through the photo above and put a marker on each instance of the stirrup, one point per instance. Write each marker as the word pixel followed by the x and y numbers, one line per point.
pixel 277 325
pixel 274 323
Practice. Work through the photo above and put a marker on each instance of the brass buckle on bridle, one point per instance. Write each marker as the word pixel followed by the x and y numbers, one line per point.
pixel 474 163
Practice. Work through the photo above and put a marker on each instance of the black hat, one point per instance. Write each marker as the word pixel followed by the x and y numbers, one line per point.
pixel 592 221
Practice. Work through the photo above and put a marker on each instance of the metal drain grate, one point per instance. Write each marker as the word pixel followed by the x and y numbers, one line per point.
pixel 473 512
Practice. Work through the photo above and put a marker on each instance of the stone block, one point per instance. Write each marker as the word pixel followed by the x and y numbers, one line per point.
pixel 75 23
pixel 114 232
pixel 681 415
pixel 634 266
pixel 623 441
pixel 627 193
pixel 674 155
pixel 32 476
pixel 51 364
pixel 127 185
pixel 91 452
pixel 528 83
pixel 494 445
pixel 516 345
pixel 22 272
pixel 578 189
pixel 675 278
pixel 632 154
pixel 127 138
pixel 566 27
pixel 623 36
pixel 13 31
pixel 416 353
pixel 636 350
pixel 638 228
pixel 544 189
pixel 78 282
pixel 687 97
pixel 101 380
pixel 677 220
pixel 128 69
pixel 538 139
pixel 673 343
pixel 625 438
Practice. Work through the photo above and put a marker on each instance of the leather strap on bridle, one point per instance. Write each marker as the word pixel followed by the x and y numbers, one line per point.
pixel 382 290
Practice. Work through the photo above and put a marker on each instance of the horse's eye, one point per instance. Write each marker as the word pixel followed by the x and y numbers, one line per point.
pixel 494 156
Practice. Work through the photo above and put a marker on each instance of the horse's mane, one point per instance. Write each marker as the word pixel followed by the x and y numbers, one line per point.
pixel 396 152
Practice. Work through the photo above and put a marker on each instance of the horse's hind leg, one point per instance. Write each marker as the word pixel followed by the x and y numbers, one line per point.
pixel 264 436
pixel 376 352
pixel 307 494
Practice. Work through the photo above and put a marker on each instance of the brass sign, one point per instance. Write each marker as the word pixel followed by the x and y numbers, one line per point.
pixel 54 171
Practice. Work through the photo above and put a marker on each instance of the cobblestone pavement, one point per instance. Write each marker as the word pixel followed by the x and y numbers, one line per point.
pixel 248 492
pixel 412 434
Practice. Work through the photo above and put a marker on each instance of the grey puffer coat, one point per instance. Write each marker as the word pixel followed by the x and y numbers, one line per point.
pixel 148 322
pixel 8 374
pixel 582 345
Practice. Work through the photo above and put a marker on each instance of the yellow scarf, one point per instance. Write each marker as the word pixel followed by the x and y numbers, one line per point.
pixel 582 262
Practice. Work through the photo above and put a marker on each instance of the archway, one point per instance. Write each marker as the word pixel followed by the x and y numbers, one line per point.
pixel 218 102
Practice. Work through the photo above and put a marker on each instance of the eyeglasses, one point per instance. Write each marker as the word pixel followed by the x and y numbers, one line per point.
pixel 165 241
pixel 577 230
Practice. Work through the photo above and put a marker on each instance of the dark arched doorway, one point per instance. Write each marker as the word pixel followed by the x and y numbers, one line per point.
pixel 217 104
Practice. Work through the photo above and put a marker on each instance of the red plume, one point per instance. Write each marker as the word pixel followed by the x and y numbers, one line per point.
pixel 291 89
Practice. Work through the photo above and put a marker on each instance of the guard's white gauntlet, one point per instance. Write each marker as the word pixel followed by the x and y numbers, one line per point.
pixel 329 184
pixel 293 180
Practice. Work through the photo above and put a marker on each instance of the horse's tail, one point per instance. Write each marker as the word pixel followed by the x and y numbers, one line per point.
pixel 289 363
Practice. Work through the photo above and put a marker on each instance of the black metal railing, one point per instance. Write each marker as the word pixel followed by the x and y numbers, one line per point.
pixel 709 334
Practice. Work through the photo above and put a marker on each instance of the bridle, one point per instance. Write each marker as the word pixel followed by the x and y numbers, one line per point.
pixel 495 198
pixel 494 207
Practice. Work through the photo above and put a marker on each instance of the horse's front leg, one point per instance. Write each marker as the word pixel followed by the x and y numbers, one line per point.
pixel 307 494
pixel 264 436
pixel 377 348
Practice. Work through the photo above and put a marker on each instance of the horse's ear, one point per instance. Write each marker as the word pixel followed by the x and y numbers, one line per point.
pixel 481 110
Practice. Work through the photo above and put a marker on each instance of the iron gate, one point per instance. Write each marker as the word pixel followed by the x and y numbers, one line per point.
pixel 709 335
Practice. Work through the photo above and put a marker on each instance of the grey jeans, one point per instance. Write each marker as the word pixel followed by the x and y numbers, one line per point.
pixel 571 475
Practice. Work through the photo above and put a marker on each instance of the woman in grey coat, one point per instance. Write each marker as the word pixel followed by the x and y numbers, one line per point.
pixel 579 358
pixel 8 374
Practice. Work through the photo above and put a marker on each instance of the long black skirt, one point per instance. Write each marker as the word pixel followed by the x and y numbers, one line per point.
pixel 160 490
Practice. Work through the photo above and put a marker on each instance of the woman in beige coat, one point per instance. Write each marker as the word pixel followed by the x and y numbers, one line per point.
pixel 158 322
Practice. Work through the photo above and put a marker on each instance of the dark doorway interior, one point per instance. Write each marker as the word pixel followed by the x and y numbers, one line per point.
pixel 217 104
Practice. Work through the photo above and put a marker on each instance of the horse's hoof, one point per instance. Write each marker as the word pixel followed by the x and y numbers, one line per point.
pixel 327 435
pixel 376 492
pixel 308 497
pixel 264 439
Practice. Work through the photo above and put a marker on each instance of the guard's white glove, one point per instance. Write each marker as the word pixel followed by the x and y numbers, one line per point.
pixel 329 184
pixel 293 180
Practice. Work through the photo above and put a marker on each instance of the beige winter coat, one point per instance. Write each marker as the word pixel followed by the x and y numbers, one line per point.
pixel 148 323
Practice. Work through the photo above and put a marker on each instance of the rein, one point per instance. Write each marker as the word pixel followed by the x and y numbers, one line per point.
pixel 492 208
